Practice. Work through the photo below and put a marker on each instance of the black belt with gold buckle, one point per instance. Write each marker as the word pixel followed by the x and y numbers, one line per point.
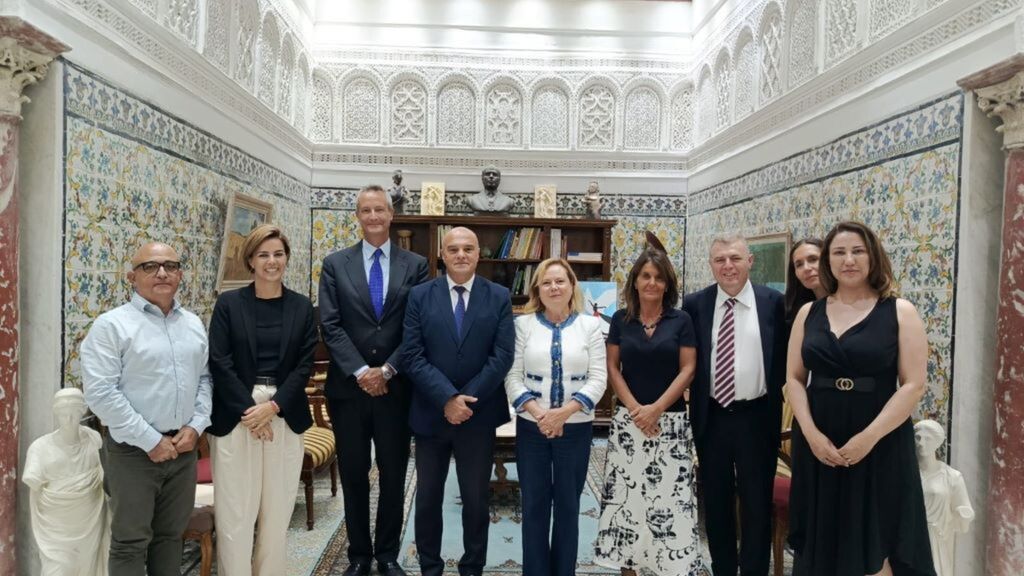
pixel 862 384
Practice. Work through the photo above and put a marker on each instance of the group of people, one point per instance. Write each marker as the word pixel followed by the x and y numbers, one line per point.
pixel 699 392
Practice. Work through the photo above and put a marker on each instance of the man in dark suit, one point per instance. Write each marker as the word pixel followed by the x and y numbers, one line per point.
pixel 736 405
pixel 363 293
pixel 458 346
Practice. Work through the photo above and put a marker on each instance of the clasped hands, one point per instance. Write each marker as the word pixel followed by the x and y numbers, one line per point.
pixel 372 382
pixel 457 410
pixel 851 453
pixel 170 446
pixel 645 417
pixel 551 421
pixel 258 418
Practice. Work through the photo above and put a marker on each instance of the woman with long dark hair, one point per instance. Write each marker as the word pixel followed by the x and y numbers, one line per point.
pixel 856 503
pixel 803 282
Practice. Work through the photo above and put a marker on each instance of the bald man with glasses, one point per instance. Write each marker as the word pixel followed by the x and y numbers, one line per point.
pixel 145 375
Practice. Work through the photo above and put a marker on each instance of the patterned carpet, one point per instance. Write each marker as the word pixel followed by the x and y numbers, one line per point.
pixel 321 551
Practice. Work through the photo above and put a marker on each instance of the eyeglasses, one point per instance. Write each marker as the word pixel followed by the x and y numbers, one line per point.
pixel 169 266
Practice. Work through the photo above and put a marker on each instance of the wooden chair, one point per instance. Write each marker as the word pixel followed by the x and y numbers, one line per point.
pixel 319 453
pixel 780 491
pixel 200 526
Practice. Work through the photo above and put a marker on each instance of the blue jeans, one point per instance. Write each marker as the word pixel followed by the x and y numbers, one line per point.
pixel 551 477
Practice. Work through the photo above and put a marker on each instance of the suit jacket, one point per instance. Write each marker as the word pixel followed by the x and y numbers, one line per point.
pixel 771 316
pixel 351 331
pixel 441 363
pixel 233 358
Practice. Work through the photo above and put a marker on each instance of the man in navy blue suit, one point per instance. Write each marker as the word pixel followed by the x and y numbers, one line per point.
pixel 458 345
pixel 736 405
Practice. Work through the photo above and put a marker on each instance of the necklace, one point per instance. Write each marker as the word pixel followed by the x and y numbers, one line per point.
pixel 652 325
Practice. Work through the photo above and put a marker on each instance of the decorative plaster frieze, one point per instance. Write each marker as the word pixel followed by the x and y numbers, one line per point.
pixel 324 159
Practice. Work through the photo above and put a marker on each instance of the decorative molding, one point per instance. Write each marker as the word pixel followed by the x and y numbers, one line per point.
pixel 25 56
pixel 1006 100
pixel 388 159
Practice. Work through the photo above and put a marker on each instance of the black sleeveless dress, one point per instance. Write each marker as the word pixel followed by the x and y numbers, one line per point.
pixel 846 521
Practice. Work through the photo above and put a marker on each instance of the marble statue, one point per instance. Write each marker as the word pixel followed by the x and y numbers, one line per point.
pixel 69 509
pixel 945 496
pixel 489 200
pixel 592 200
pixel 397 192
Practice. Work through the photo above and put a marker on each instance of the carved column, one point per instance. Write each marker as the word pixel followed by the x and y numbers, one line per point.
pixel 25 54
pixel 1000 92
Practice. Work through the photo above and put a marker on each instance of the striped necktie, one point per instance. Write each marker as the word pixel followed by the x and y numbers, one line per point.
pixel 725 353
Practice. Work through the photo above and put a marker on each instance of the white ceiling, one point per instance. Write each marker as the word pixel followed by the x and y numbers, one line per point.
pixel 640 28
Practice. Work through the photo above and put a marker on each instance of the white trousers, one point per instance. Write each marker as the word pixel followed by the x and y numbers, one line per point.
pixel 255 481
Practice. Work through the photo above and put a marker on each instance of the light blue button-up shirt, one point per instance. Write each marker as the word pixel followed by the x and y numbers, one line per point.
pixel 144 373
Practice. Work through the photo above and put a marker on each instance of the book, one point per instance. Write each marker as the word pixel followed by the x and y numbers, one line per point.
pixel 585 256
pixel 555 248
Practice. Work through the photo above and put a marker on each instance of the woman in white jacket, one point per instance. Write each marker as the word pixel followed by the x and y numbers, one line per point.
pixel 557 377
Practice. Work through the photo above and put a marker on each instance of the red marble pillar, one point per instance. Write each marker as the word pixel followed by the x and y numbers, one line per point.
pixel 25 53
pixel 1000 92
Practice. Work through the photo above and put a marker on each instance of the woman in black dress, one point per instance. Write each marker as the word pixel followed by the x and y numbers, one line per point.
pixel 803 284
pixel 856 504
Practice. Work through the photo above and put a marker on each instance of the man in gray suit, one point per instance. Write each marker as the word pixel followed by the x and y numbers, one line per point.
pixel 363 291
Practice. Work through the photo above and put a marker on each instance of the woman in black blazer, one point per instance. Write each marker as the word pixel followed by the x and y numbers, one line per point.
pixel 261 352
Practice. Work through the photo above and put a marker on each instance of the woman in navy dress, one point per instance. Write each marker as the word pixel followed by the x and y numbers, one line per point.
pixel 856 503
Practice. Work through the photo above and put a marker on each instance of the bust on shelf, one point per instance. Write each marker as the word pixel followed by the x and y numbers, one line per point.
pixel 489 200
pixel 397 192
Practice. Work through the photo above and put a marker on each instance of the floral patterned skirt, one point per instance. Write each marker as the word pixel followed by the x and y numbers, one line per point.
pixel 649 509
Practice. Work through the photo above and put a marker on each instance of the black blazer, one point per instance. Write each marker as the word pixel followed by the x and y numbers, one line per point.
pixel 353 335
pixel 442 363
pixel 771 316
pixel 233 359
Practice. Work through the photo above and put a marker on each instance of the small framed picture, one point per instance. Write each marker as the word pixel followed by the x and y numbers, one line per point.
pixel 600 299
pixel 432 199
pixel 544 205
pixel 244 215
pixel 771 255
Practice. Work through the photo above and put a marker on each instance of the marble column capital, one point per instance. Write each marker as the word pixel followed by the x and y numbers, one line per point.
pixel 25 56
pixel 1000 92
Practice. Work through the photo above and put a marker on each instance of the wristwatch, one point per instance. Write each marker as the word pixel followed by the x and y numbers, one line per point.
pixel 388 371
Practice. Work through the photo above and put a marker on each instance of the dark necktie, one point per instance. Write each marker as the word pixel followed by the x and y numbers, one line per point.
pixel 460 309
pixel 725 353
pixel 377 284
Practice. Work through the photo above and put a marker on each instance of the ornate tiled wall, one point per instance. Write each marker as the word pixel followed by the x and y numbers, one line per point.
pixel 901 177
pixel 134 173
pixel 335 226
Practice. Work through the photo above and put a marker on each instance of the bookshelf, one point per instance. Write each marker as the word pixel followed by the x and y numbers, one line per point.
pixel 510 250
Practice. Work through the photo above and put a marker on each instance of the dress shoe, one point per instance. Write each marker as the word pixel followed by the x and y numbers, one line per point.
pixel 390 569
pixel 357 568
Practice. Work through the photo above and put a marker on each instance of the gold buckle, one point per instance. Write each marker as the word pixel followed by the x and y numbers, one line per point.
pixel 844 384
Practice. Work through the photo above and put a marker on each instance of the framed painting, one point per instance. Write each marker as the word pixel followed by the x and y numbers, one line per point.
pixel 771 254
pixel 244 215
pixel 600 299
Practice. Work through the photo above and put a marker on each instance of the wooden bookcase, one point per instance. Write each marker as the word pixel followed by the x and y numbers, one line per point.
pixel 580 236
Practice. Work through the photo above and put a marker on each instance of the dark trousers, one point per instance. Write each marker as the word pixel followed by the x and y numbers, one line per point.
pixel 150 504
pixel 382 421
pixel 473 449
pixel 737 455
pixel 551 477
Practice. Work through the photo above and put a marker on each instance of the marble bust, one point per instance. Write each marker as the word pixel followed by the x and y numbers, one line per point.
pixel 397 192
pixel 489 200
pixel 946 502
pixel 592 200
pixel 68 507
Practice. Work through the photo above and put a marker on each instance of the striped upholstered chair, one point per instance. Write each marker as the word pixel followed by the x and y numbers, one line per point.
pixel 320 453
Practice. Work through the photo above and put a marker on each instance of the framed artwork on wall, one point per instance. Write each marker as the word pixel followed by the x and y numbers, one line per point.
pixel 771 254
pixel 244 215
pixel 601 299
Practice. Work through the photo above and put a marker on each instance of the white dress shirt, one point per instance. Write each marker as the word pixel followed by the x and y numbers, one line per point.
pixel 748 359
pixel 468 285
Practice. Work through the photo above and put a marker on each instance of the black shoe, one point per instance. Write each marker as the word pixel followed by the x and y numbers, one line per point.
pixel 390 569
pixel 357 568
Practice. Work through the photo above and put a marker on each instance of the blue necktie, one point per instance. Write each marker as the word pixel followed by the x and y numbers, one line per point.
pixel 377 284
pixel 460 309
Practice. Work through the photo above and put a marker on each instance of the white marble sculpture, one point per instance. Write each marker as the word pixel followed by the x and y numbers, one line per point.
pixel 945 496
pixel 69 509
